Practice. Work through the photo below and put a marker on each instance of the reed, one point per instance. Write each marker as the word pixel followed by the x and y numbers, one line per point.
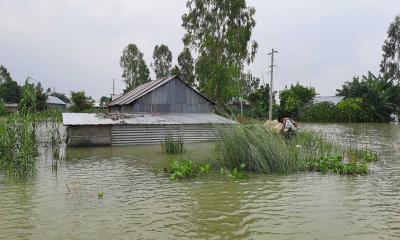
pixel 18 144
pixel 262 150
pixel 171 145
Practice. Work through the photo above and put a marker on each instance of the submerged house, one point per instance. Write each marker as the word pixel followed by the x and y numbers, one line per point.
pixel 146 114
pixel 55 103
pixel 330 99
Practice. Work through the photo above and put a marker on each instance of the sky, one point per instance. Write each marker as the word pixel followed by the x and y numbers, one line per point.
pixel 71 45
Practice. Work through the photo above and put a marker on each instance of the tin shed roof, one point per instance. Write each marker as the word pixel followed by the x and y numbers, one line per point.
pixel 54 100
pixel 332 99
pixel 76 119
pixel 144 89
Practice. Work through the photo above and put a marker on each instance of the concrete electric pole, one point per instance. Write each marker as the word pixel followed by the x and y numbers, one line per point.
pixel 271 91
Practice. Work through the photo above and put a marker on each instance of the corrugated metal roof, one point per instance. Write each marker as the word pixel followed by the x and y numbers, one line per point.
pixel 144 89
pixel 332 99
pixel 70 119
pixel 54 100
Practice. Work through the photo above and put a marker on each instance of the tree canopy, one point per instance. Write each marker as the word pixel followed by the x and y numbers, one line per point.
pixel 162 57
pixel 390 65
pixel 10 91
pixel 294 99
pixel 186 66
pixel 134 69
pixel 80 101
pixel 220 32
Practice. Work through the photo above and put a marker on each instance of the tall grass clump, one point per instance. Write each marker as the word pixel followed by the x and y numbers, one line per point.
pixel 266 151
pixel 18 144
pixel 256 148
pixel 171 145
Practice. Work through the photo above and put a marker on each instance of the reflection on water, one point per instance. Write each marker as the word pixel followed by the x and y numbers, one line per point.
pixel 141 205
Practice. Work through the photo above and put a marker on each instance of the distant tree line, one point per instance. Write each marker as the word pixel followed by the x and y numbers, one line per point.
pixel 32 97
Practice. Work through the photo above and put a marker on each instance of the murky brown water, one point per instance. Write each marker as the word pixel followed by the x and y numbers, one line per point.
pixel 138 204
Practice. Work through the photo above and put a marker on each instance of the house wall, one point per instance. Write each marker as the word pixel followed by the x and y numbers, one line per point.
pixel 99 135
pixel 60 107
pixel 173 97
pixel 155 134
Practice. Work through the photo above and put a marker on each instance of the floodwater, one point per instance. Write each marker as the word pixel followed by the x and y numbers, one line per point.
pixel 139 203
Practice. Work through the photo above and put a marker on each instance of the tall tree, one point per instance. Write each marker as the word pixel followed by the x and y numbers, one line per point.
pixel 390 65
pixel 162 57
pixel 134 69
pixel 294 99
pixel 220 32
pixel 186 66
pixel 81 102
pixel 10 91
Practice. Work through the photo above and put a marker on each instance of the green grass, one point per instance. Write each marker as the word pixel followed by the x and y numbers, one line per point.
pixel 261 150
pixel 18 145
pixel 171 145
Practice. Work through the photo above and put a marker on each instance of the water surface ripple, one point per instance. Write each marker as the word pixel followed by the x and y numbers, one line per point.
pixel 139 204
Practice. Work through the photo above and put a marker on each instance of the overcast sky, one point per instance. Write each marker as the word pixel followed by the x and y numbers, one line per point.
pixel 76 44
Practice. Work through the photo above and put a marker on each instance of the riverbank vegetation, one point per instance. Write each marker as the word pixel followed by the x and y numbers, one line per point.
pixel 255 148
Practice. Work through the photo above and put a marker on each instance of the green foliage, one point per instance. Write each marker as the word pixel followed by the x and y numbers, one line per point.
pixel 185 70
pixel 334 164
pixel 3 110
pixel 254 148
pixel 104 101
pixel 186 169
pixel 162 57
pixel 80 102
pixel 323 112
pixel 220 32
pixel 259 100
pixel 350 106
pixel 10 91
pixel 28 103
pixel 294 99
pixel 171 145
pixel 134 69
pixel 235 173
pixel 257 149
pixel 380 97
pixel 18 145
pixel 390 65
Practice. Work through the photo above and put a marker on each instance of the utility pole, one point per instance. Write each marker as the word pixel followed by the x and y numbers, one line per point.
pixel 271 83
pixel 113 86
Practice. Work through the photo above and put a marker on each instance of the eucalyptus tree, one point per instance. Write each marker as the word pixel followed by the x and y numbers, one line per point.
pixel 390 65
pixel 220 32
pixel 134 69
pixel 186 66
pixel 162 57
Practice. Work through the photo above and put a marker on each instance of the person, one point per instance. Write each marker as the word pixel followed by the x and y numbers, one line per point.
pixel 289 126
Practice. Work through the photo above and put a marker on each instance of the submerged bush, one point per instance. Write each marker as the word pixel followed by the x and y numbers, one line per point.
pixel 18 144
pixel 172 145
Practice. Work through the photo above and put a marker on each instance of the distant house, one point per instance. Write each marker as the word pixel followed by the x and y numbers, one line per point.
pixel 55 103
pixel 331 99
pixel 146 114
pixel 11 107
pixel 238 104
